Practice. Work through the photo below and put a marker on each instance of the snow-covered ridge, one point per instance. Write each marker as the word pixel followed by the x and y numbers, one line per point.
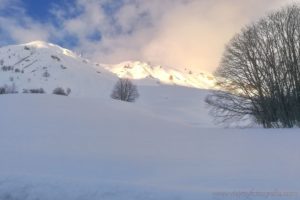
pixel 44 65
pixel 141 70
pixel 42 44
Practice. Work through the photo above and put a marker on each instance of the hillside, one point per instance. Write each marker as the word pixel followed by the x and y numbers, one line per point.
pixel 43 65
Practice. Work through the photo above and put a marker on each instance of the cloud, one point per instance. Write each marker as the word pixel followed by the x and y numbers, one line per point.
pixel 175 33
pixel 16 26
pixel 193 35
pixel 28 31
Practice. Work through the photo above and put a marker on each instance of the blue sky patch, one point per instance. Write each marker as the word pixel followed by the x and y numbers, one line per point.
pixel 95 36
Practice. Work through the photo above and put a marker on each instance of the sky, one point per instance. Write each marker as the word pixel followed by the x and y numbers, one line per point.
pixel 174 33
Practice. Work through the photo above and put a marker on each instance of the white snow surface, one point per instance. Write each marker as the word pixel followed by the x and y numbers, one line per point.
pixel 165 146
pixel 145 71
pixel 56 147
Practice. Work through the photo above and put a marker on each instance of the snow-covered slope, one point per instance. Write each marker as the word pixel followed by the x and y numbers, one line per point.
pixel 54 148
pixel 159 74
pixel 42 65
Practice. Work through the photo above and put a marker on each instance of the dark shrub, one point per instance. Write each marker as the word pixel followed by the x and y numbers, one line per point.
pixel 8 89
pixel 34 91
pixel 55 57
pixel 46 74
pixel 2 90
pixel 59 91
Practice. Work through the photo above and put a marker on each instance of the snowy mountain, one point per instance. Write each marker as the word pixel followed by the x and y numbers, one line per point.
pixel 43 65
pixel 144 71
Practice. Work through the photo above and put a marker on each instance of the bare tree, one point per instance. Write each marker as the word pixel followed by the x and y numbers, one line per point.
pixel 260 72
pixel 125 90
